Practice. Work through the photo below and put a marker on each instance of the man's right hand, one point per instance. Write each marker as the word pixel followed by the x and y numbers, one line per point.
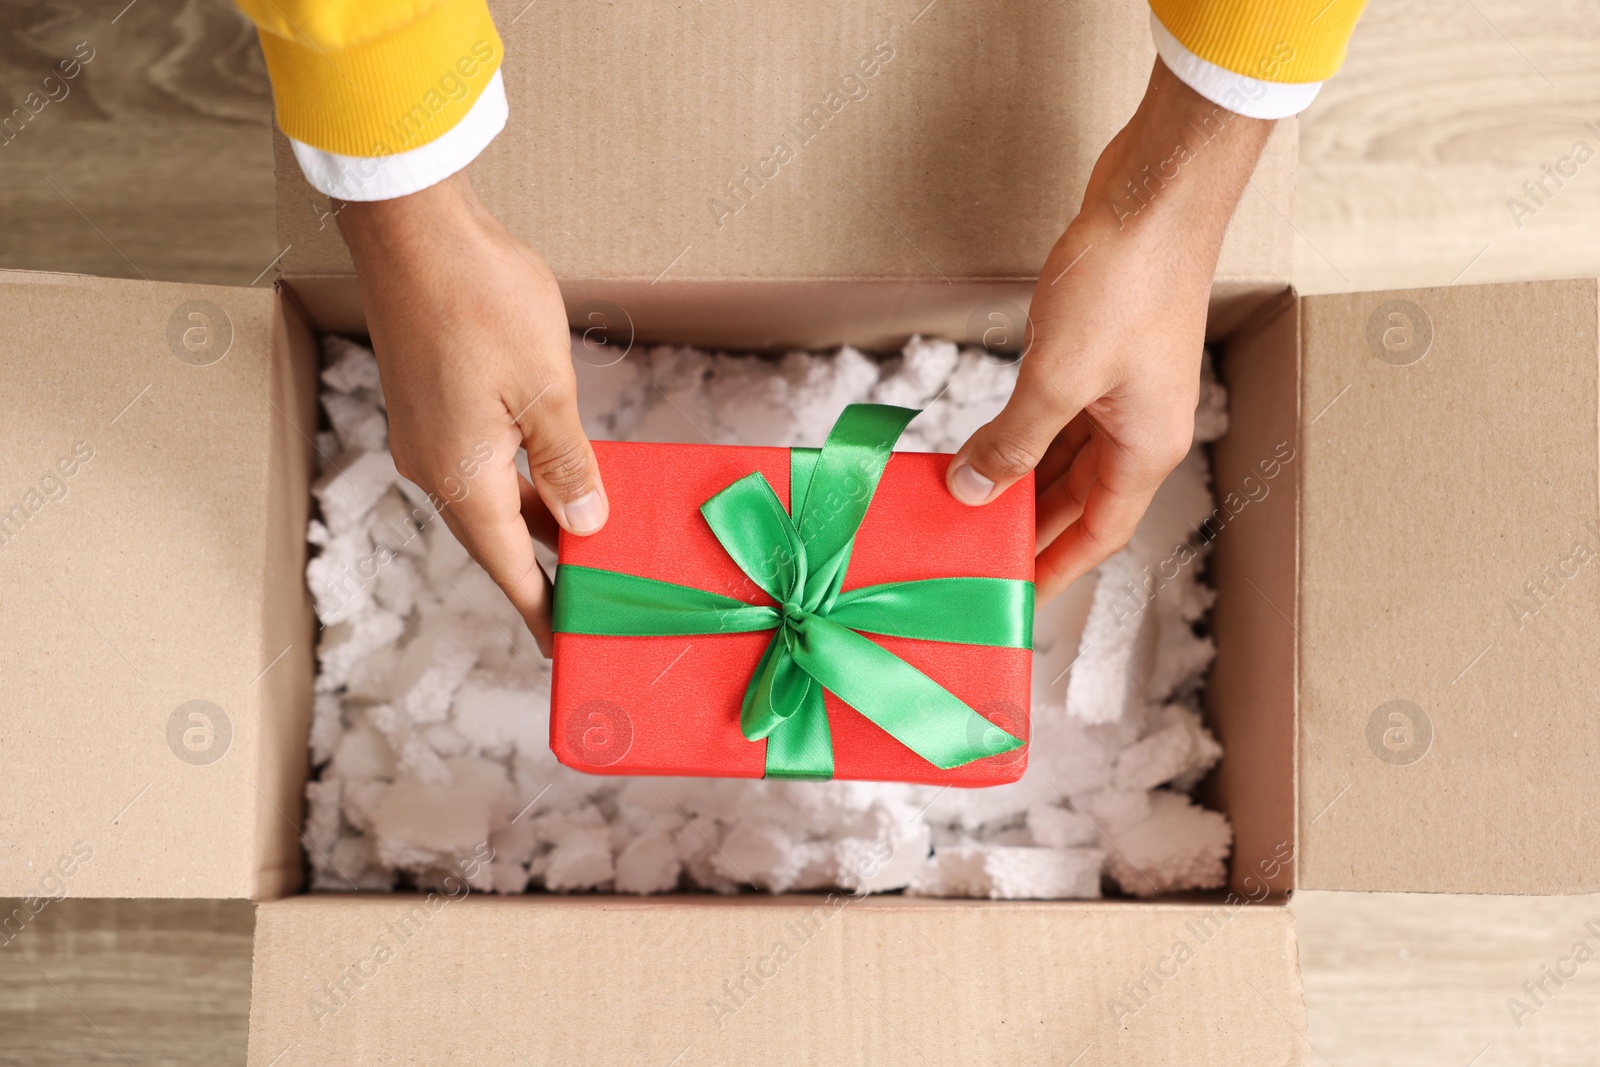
pixel 472 344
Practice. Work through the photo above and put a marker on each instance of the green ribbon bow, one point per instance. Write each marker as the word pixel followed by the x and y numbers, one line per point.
pixel 801 564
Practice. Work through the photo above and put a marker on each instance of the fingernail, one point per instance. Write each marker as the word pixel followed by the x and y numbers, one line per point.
pixel 586 514
pixel 969 486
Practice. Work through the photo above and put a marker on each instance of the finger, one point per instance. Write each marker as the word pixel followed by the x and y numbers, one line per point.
pixel 1115 492
pixel 541 524
pixel 561 463
pixel 1053 510
pixel 1060 503
pixel 487 519
pixel 1085 470
pixel 1126 477
pixel 1012 444
pixel 1107 522
pixel 1062 451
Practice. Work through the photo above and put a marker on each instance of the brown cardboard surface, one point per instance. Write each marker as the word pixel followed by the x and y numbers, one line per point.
pixel 1250 697
pixel 287 617
pixel 753 315
pixel 1450 465
pixel 961 158
pixel 148 583
pixel 346 979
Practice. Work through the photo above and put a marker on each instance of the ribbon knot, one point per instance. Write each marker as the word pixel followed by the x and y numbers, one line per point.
pixel 800 563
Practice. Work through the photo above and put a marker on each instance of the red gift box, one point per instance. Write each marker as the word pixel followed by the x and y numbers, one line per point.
pixel 670 705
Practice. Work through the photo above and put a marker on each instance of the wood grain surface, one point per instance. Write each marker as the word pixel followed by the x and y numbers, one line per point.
pixel 1442 111
pixel 158 164
pixel 158 161
pixel 127 982
pixel 1419 980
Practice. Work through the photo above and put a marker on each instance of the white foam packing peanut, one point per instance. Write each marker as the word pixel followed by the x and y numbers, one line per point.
pixel 430 728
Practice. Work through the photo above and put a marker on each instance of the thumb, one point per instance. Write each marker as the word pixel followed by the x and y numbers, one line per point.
pixel 561 464
pixel 1011 444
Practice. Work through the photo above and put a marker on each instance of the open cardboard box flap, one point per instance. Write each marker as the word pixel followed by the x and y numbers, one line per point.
pixel 1448 612
pixel 1424 601
pixel 156 643
pixel 786 980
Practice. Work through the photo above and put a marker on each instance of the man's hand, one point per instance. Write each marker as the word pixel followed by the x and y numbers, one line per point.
pixel 471 339
pixel 1104 403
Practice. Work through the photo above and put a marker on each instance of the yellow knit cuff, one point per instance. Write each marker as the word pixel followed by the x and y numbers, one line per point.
pixel 388 95
pixel 1286 41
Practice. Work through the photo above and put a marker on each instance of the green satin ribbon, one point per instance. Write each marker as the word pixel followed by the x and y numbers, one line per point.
pixel 801 563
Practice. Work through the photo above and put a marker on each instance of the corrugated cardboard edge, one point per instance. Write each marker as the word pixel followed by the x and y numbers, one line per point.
pixel 288 625
pixel 775 980
pixel 1252 695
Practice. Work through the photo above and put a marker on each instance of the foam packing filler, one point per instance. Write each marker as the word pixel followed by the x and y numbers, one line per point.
pixel 429 736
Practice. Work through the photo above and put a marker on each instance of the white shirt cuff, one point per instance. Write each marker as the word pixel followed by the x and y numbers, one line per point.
pixel 1244 96
pixel 404 173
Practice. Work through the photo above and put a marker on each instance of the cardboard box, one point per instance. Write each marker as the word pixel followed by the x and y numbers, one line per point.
pixel 170 571
pixel 1405 625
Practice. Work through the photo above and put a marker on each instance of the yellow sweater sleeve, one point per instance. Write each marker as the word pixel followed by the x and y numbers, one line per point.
pixel 1287 41
pixel 374 77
